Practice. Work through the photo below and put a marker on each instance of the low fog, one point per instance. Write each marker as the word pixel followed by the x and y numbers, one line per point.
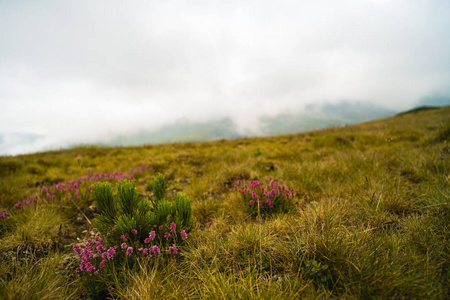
pixel 75 72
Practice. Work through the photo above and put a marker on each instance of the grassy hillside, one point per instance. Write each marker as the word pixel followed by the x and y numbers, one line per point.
pixel 370 217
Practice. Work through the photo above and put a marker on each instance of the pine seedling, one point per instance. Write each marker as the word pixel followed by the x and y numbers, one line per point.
pixel 158 187
pixel 128 197
pixel 106 203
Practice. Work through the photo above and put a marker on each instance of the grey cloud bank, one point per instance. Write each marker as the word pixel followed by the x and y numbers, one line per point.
pixel 86 71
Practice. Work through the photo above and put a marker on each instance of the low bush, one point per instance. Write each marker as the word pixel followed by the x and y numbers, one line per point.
pixel 131 229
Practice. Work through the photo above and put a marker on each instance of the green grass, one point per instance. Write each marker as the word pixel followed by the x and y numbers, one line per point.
pixel 371 216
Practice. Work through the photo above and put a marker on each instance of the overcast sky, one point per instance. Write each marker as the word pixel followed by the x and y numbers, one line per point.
pixel 71 71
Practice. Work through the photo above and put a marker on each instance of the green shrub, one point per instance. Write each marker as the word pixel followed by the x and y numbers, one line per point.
pixel 158 187
pixel 132 228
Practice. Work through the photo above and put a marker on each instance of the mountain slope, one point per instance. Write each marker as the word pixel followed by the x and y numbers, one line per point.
pixel 370 218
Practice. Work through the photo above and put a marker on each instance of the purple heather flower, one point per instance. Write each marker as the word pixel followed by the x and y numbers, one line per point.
pixel 124 245
pixel 152 235
pixel 173 250
pixel 251 202
pixel 154 251
pixel 77 249
pixel 87 251
pixel 97 240
pixel 147 240
pixel 173 227
pixel 129 251
pixel 134 231
pixel 100 248
pixel 184 234
pixel 167 235
pixel 110 253
pixel 103 264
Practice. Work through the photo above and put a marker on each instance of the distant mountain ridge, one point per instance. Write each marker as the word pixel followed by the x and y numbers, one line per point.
pixel 311 117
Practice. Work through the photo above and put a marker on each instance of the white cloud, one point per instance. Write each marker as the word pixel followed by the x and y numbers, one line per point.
pixel 75 71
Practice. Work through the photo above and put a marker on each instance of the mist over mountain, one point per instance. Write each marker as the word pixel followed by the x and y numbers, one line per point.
pixel 12 142
pixel 181 131
pixel 436 100
pixel 320 116
pixel 309 118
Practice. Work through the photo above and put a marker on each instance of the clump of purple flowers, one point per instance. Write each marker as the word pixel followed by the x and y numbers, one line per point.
pixel 270 197
pixel 94 257
pixel 3 214
pixel 98 254
pixel 74 189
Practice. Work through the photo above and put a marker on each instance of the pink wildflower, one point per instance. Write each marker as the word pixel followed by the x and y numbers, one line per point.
pixel 184 234
pixel 167 235
pixel 77 249
pixel 152 235
pixel 103 264
pixel 110 253
pixel 129 251
pixel 173 250
pixel 134 231
pixel 173 227
pixel 124 245
pixel 154 251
